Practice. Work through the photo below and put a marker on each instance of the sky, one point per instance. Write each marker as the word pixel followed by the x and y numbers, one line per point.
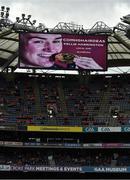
pixel 81 12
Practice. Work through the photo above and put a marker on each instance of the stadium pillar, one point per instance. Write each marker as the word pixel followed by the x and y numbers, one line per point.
pixel 61 95
pixel 84 77
pixel 37 95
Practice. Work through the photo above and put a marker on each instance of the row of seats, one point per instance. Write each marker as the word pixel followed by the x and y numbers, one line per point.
pixel 40 101
pixel 63 158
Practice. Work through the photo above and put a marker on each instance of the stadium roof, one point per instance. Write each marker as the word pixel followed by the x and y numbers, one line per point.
pixel 118 42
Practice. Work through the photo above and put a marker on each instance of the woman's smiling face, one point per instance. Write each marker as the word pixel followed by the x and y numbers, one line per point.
pixel 41 47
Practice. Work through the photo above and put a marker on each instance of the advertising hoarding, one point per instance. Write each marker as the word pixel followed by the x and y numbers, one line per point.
pixel 54 128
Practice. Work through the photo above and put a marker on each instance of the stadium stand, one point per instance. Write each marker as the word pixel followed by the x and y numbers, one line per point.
pixel 72 125
pixel 65 103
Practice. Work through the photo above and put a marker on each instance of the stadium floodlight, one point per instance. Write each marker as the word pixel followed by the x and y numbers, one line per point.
pixel 34 22
pixel 29 16
pixel 4 12
pixel 7 9
pixel 17 19
pixel 24 23
pixel 2 8
pixel 126 19
pixel 124 26
pixel 23 16
pixel 4 17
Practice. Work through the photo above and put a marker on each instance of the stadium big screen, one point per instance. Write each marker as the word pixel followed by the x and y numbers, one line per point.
pixel 63 51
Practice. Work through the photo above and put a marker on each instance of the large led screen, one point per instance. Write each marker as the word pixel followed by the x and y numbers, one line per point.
pixel 63 51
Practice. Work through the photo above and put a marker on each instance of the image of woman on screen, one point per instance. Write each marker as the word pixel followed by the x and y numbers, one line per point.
pixel 37 48
pixel 45 51
pixel 63 61
pixel 70 61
